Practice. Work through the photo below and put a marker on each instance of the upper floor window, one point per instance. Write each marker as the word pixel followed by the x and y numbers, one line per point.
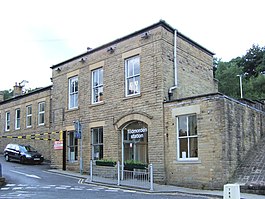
pixel 187 137
pixel 29 116
pixel 97 143
pixel 97 85
pixel 73 92
pixel 7 126
pixel 132 74
pixel 41 113
pixel 17 122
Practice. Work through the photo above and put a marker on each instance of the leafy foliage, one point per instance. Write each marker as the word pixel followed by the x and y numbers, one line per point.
pixel 7 94
pixel 252 68
pixel 134 162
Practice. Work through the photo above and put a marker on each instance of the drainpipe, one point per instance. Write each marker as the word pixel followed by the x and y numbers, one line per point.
pixel 170 91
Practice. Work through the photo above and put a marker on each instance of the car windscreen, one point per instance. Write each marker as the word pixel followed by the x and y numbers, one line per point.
pixel 27 149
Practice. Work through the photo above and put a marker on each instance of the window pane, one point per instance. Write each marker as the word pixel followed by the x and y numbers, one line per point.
pixel 98 152
pixel 41 107
pixel 183 142
pixel 75 100
pixel 72 88
pixel 129 68
pixel 18 113
pixel 101 76
pixel 192 125
pixel 137 84
pixel 136 66
pixel 182 126
pixel 193 147
pixel 71 139
pixel 41 118
pixel 29 110
pixel 100 93
pixel 95 136
pixel 95 79
pixel 76 85
pixel 95 95
pixel 29 121
pixel 130 86
pixel 100 135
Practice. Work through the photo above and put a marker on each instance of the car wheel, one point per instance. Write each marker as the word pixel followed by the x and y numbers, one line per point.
pixel 7 158
pixel 22 159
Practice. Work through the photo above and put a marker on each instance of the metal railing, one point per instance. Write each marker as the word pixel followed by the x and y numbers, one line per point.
pixel 141 178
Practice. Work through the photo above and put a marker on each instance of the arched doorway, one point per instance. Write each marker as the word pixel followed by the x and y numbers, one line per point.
pixel 135 142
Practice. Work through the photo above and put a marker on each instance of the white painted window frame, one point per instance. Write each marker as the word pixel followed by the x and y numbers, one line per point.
pixel 17 120
pixel 133 76
pixel 188 158
pixel 73 94
pixel 40 113
pixel 99 87
pixel 7 121
pixel 28 115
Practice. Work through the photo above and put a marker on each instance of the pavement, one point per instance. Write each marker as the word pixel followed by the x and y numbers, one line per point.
pixel 160 188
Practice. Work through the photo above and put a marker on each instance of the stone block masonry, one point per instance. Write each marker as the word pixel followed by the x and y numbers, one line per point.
pixel 227 130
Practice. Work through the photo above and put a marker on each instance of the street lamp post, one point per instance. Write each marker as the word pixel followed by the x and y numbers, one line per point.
pixel 241 86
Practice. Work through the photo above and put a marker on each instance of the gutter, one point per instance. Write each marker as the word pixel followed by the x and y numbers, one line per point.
pixel 170 91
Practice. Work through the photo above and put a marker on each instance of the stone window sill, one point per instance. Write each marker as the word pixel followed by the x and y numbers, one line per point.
pixel 132 96
pixel 97 104
pixel 187 162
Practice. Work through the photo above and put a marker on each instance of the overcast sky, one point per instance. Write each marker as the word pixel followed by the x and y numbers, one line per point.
pixel 36 34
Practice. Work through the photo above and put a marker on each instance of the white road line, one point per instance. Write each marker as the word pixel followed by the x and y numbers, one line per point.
pixel 129 191
pixel 60 188
pixel 45 187
pixel 10 185
pixel 77 189
pixel 30 187
pixel 111 190
pixel 4 189
pixel 17 188
pixel 25 174
pixel 22 185
pixel 94 189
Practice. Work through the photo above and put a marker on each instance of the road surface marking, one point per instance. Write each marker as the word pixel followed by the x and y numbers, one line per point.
pixel 25 174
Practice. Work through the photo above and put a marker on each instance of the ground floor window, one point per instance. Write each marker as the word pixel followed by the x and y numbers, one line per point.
pixel 97 143
pixel 72 147
pixel 135 142
pixel 187 137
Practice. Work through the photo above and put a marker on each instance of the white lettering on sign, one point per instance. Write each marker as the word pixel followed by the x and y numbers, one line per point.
pixel 137 133
pixel 135 136
pixel 133 131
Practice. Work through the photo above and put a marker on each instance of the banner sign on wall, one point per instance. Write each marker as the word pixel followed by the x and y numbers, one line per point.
pixel 58 145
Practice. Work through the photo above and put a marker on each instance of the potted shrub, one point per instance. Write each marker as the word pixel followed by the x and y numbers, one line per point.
pixel 104 162
pixel 133 164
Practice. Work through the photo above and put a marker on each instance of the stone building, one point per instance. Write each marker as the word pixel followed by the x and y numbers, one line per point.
pixel 151 97
pixel 24 117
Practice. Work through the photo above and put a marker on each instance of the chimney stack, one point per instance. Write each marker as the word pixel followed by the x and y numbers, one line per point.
pixel 17 90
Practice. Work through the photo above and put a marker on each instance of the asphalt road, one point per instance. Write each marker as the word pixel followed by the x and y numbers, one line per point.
pixel 34 181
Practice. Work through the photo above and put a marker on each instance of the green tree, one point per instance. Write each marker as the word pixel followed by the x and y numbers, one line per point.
pixel 253 62
pixel 7 94
pixel 226 74
pixel 252 68
pixel 254 88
